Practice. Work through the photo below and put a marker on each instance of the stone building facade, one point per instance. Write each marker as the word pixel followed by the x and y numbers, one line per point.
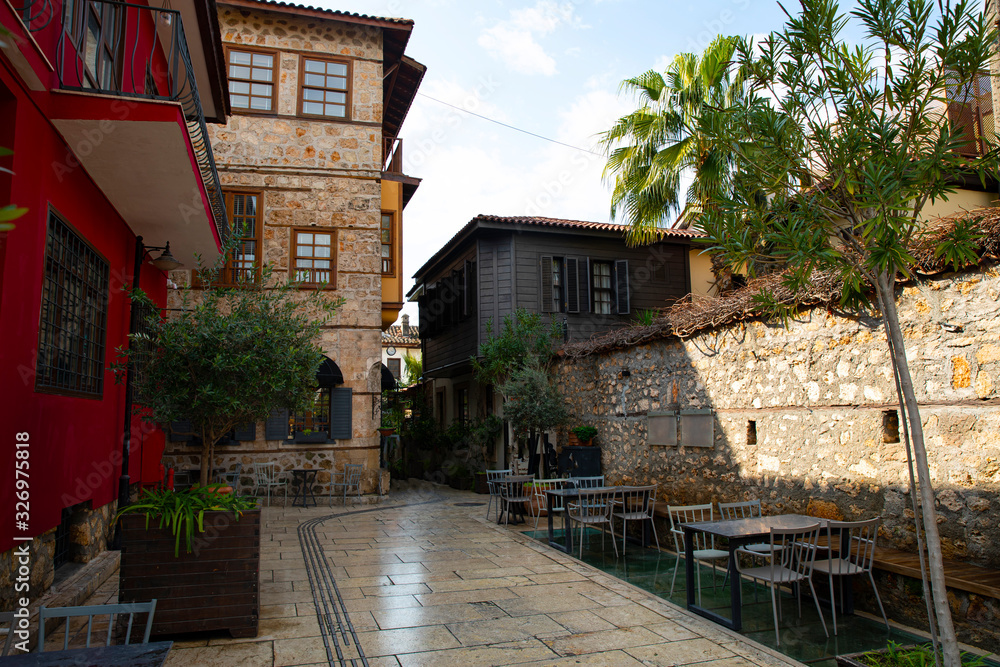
pixel 805 419
pixel 307 164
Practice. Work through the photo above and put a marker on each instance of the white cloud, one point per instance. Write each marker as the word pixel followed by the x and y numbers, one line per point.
pixel 513 41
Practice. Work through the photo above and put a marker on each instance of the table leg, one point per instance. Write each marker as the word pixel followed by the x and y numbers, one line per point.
pixel 689 581
pixel 735 588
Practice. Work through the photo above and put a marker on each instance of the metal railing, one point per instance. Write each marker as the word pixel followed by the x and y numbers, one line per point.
pixel 392 155
pixel 970 112
pixel 134 51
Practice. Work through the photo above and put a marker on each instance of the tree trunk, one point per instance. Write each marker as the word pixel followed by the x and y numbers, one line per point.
pixel 946 629
pixel 206 458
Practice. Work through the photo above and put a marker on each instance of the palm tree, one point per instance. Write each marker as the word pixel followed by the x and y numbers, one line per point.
pixel 414 368
pixel 653 150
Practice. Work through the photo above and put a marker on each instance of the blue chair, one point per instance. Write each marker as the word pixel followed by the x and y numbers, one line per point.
pixel 90 612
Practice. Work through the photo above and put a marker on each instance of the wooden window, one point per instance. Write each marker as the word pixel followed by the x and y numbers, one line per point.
pixel 395 367
pixel 100 31
pixel 462 404
pixel 246 218
pixel 252 79
pixel 313 423
pixel 601 287
pixel 314 259
pixel 74 317
pixel 387 246
pixel 324 88
pixel 623 295
pixel 552 288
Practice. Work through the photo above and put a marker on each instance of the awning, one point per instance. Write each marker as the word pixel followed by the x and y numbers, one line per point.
pixel 329 374
pixel 388 379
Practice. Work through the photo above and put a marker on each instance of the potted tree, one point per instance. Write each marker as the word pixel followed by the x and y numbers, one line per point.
pixel 229 355
pixel 582 435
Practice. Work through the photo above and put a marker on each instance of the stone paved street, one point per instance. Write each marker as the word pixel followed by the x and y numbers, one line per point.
pixel 424 580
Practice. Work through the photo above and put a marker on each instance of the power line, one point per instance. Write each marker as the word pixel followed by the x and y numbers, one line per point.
pixel 509 127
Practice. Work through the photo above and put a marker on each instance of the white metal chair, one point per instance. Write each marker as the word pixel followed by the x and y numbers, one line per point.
pixel 90 612
pixel 231 477
pixel 636 503
pixel 855 555
pixel 512 495
pixel 592 509
pixel 587 482
pixel 492 477
pixel 7 617
pixel 350 481
pixel 267 476
pixel 558 507
pixel 793 555
pixel 747 509
pixel 704 545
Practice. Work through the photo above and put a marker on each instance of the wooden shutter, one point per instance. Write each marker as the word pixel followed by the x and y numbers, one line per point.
pixel 583 271
pixel 622 306
pixel 180 431
pixel 545 291
pixel 469 305
pixel 572 285
pixel 276 426
pixel 341 413
pixel 245 432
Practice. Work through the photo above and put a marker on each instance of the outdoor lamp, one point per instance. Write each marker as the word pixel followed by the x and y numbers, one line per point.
pixel 166 261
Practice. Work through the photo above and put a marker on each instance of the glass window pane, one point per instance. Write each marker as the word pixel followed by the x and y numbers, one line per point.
pixel 322 263
pixel 263 60
pixel 303 237
pixel 386 220
pixel 262 103
pixel 387 251
pixel 240 101
pixel 335 110
pixel 238 72
pixel 337 98
pixel 303 262
pixel 313 80
pixel 386 236
pixel 262 89
pixel 312 94
pixel 239 87
pixel 239 58
pixel 312 107
pixel 251 202
pixel 323 239
pixel 304 251
pixel 314 66
pixel 261 74
pixel 337 69
pixel 336 82
pixel 322 251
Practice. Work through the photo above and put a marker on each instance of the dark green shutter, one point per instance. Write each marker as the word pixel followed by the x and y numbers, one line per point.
pixel 245 432
pixel 276 426
pixel 545 291
pixel 341 415
pixel 180 431
pixel 622 305
pixel 583 270
pixel 572 285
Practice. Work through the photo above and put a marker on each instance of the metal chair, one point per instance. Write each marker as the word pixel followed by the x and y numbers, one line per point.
pixel 268 476
pixel 587 482
pixel 512 495
pixel 492 476
pixel 637 504
pixel 793 555
pixel 350 479
pixel 704 545
pixel 748 509
pixel 592 509
pixel 558 507
pixel 7 617
pixel 231 477
pixel 68 613
pixel 855 555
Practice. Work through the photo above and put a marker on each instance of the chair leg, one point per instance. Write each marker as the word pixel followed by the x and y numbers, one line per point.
pixel 833 603
pixel 818 610
pixel 677 564
pixel 774 610
pixel 879 600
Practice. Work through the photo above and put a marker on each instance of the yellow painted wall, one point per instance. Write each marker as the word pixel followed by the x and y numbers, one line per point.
pixel 962 200
pixel 392 286
pixel 702 278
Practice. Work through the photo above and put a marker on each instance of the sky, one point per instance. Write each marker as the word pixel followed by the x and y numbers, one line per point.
pixel 549 67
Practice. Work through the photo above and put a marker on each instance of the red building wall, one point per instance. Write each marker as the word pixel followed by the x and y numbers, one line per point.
pixel 75 442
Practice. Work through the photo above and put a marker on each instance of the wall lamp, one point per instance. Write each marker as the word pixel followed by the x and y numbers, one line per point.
pixel 166 261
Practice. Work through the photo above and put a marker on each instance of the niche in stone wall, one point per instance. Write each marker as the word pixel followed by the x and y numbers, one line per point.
pixel 890 426
pixel 751 432
pixel 697 428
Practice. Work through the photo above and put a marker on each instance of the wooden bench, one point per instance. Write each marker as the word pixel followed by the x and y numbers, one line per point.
pixel 957 575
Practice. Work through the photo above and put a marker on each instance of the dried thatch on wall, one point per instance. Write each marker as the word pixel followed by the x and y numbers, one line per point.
pixel 697 312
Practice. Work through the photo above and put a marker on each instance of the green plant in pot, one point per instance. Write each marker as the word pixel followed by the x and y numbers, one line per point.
pixel 584 434
pixel 903 655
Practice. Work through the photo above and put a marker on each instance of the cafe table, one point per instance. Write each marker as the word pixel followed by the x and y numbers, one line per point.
pixel 305 479
pixel 152 654
pixel 567 494
pixel 739 532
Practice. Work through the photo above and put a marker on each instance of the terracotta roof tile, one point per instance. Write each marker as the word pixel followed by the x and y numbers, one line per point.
pixel 332 12
pixel 394 336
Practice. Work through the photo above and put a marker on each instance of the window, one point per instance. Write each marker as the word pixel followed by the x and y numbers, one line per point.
pixel 462 405
pixel 252 75
pixel 101 45
pixel 601 287
pixel 313 257
pixel 245 219
pixel 324 88
pixel 314 422
pixel 395 367
pixel 387 243
pixel 74 314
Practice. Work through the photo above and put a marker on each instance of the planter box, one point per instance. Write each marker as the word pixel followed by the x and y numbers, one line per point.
pixel 301 437
pixel 215 587
pixel 855 659
pixel 482 487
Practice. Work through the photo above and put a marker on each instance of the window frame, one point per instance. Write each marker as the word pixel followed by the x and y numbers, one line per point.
pixel 348 92
pixel 398 363
pixel 273 111
pixel 610 289
pixel 392 243
pixel 317 436
pixel 102 345
pixel 227 270
pixel 293 254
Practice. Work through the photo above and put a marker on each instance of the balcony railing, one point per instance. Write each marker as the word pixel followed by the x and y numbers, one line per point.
pixel 126 50
pixel 392 155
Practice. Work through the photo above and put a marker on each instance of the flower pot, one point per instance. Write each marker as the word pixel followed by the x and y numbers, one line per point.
pixel 574 441
pixel 215 587
pixel 482 486
pixel 386 431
